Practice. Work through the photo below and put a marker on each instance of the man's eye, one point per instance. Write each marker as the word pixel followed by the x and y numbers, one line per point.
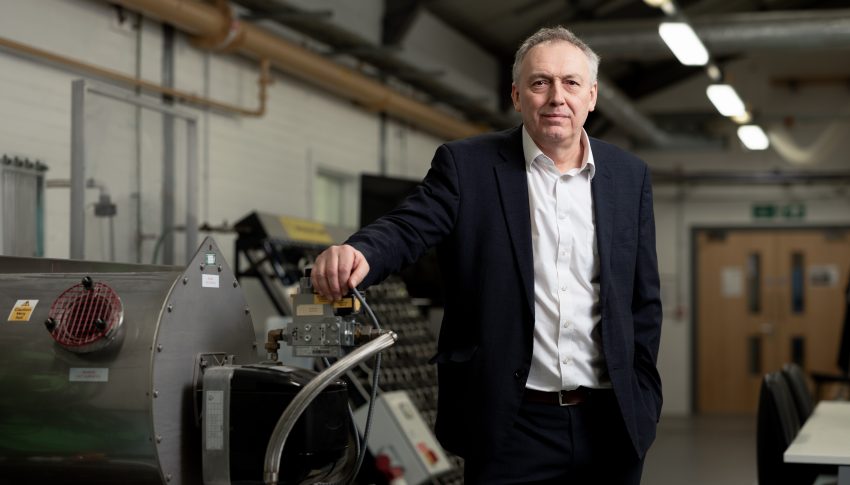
pixel 539 82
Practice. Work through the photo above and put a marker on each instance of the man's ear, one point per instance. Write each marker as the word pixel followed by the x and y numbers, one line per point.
pixel 515 98
pixel 593 92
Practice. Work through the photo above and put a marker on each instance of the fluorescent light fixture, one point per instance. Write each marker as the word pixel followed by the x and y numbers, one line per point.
pixel 753 137
pixel 655 3
pixel 726 100
pixel 683 41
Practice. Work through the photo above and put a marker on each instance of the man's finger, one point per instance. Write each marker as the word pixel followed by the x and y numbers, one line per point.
pixel 361 269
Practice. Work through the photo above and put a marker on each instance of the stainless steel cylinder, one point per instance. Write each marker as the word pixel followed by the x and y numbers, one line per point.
pixel 120 407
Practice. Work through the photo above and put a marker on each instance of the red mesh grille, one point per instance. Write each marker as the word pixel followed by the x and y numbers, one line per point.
pixel 83 316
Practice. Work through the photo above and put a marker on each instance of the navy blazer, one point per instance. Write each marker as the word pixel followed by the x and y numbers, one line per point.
pixel 473 205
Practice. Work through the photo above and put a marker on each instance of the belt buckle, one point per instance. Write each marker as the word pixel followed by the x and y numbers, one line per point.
pixel 561 399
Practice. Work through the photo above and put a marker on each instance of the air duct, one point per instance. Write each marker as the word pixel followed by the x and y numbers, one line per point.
pixel 723 34
pixel 617 107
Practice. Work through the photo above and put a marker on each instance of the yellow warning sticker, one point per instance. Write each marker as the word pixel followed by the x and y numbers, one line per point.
pixel 22 310
pixel 305 231
pixel 348 302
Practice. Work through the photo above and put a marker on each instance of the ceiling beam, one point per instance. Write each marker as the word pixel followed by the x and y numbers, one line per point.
pixel 398 18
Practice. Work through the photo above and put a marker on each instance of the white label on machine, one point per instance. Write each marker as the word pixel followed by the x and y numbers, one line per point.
pixel 209 281
pixel 88 374
pixel 309 310
pixel 22 311
pixel 214 419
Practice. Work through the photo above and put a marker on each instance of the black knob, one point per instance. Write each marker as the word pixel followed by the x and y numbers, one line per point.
pixel 50 324
pixel 100 324
pixel 87 282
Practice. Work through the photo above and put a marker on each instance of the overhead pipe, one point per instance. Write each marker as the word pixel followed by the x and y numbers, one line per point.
pixel 115 76
pixel 202 20
pixel 723 34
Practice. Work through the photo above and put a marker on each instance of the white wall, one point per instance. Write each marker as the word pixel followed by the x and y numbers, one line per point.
pixel 264 164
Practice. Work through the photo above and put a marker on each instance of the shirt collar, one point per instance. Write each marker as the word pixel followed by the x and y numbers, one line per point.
pixel 531 151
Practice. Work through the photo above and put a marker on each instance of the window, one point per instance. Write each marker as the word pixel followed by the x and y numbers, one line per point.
pixel 334 198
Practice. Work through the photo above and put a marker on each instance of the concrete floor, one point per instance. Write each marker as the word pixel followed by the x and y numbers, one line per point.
pixel 703 450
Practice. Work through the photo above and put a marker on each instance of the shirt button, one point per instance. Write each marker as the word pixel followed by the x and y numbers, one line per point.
pixel 564 288
pixel 566 324
pixel 566 361
pixel 562 216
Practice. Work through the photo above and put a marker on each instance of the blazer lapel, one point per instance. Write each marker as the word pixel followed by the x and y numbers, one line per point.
pixel 513 189
pixel 603 194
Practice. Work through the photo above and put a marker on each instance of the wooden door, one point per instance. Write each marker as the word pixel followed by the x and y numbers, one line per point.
pixel 764 298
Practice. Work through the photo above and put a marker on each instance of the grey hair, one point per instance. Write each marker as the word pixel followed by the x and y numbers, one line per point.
pixel 553 34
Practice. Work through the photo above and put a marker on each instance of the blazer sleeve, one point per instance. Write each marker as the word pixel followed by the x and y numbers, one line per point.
pixel 646 300
pixel 422 220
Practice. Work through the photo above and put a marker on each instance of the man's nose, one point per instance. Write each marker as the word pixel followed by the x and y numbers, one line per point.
pixel 556 94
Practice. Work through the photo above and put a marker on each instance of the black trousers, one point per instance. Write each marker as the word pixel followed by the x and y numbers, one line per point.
pixel 570 445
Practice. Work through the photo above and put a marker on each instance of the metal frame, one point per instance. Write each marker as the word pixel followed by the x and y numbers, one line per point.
pixel 81 89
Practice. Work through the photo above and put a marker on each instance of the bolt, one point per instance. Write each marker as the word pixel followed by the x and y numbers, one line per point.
pixel 170 307
pixel 235 283
pixel 158 438
pixel 159 348
pixel 219 268
pixel 247 310
pixel 185 279
pixel 202 266
pixel 168 477
pixel 155 393
pixel 308 327
pixel 308 337
pixel 50 324
pixel 87 282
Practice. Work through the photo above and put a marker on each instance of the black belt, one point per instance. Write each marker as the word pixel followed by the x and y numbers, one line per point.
pixel 562 398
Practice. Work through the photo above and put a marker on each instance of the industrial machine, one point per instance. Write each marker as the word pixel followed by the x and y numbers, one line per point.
pixel 273 249
pixel 135 374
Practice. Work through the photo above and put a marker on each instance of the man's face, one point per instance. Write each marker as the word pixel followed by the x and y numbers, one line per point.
pixel 554 93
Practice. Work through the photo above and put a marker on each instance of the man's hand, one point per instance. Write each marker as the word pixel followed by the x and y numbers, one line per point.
pixel 337 269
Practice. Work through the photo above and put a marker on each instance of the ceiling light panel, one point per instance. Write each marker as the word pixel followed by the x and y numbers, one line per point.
pixel 753 137
pixel 683 41
pixel 726 100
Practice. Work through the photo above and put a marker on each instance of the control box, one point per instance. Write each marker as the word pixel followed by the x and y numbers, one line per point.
pixel 401 441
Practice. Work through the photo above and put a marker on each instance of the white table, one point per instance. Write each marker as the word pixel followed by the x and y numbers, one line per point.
pixel 825 439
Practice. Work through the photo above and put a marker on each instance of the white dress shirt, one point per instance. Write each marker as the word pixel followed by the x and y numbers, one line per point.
pixel 567 349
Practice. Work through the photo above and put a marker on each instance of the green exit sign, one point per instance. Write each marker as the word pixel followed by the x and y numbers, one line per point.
pixel 796 211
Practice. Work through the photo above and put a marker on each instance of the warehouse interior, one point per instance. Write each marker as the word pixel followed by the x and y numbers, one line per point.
pixel 135 129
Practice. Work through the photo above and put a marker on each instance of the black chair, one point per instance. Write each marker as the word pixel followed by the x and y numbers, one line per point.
pixel 801 392
pixel 778 423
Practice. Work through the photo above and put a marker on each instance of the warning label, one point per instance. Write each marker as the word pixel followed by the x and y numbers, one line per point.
pixel 22 311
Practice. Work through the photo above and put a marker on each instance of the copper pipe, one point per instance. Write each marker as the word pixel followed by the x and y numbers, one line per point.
pixel 202 20
pixel 104 73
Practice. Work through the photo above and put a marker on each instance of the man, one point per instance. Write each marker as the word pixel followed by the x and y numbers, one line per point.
pixel 546 241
